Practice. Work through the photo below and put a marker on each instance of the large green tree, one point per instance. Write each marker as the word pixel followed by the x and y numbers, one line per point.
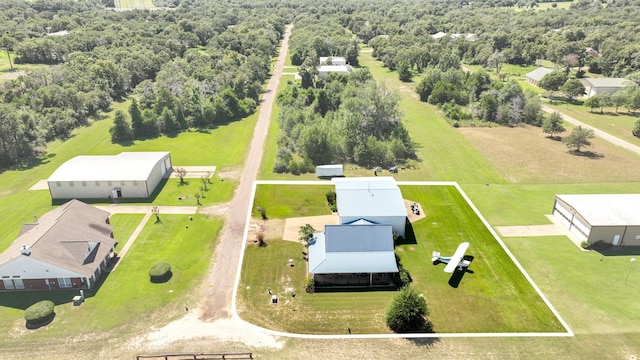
pixel 121 130
pixel 407 311
pixel 579 138
pixel 552 124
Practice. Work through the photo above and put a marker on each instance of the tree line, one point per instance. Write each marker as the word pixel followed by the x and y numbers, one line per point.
pixel 200 64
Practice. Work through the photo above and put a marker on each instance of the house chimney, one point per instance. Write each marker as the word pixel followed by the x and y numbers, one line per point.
pixel 25 250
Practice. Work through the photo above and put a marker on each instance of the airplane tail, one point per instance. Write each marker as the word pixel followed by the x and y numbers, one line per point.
pixel 435 255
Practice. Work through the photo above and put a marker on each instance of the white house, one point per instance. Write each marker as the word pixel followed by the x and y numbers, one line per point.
pixel 332 60
pixel 376 199
pixel 126 175
pixel 67 248
pixel 353 255
pixel 599 86
pixel 611 218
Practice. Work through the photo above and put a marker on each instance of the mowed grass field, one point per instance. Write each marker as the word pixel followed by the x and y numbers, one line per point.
pixel 494 298
pixel 134 4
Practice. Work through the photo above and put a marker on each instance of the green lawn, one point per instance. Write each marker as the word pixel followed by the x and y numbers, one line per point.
pixel 292 201
pixel 618 124
pixel 124 225
pixel 127 295
pixel 495 298
pixel 224 146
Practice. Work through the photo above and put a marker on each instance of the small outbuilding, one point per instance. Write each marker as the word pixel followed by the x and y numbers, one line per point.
pixel 126 175
pixel 610 218
pixel 329 170
pixel 536 75
pixel 376 199
pixel 599 86
pixel 353 255
pixel 67 248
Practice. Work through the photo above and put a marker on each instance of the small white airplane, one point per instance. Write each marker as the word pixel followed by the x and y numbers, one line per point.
pixel 455 261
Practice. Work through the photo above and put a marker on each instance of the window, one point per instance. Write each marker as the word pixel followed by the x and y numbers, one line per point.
pixel 8 284
pixel 72 184
pixel 18 282
pixel 84 183
pixel 64 282
pixel 58 183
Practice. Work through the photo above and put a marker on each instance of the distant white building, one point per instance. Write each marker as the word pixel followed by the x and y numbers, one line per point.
pixel 375 199
pixel 438 35
pixel 536 75
pixel 599 86
pixel 332 60
pixel 126 175
pixel 325 70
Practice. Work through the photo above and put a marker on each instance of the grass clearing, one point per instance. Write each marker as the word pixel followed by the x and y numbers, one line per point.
pixel 292 201
pixel 617 124
pixel 525 155
pixel 495 298
pixel 124 225
pixel 127 295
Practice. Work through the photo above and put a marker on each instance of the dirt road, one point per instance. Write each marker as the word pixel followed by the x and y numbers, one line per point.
pixel 599 133
pixel 221 277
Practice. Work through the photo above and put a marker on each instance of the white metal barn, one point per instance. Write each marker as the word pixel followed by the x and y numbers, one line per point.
pixel 126 175
pixel 329 170
pixel 376 199
pixel 611 218
pixel 332 60
pixel 325 70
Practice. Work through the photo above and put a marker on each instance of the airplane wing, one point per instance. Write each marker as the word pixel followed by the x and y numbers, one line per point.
pixel 457 257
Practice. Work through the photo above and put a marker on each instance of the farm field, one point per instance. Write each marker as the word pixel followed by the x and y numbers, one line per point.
pixel 449 221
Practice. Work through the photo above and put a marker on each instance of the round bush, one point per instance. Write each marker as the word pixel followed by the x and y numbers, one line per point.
pixel 40 313
pixel 160 272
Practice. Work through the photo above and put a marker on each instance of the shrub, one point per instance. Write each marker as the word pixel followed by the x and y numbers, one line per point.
pixel 160 272
pixel 310 285
pixel 636 129
pixel 407 312
pixel 39 313
pixel 331 200
pixel 585 245
pixel 280 167
pixel 260 240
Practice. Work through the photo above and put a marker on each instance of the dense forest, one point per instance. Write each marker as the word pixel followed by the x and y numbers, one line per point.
pixel 203 62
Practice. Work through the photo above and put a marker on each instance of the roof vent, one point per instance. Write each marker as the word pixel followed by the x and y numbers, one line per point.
pixel 25 250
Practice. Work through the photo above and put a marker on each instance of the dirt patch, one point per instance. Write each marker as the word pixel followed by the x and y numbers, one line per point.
pixel 272 229
pixel 12 75
pixel 292 225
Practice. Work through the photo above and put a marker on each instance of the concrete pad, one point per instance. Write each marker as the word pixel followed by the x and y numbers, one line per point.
pixel 292 225
pixel 531 230
pixel 193 172
pixel 40 185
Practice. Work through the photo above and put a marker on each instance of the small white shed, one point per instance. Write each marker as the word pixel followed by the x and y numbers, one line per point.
pixel 329 170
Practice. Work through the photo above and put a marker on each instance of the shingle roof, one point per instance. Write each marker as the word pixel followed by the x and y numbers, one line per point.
pixel 606 209
pixel 71 237
pixel 126 166
pixel 352 249
pixel 369 196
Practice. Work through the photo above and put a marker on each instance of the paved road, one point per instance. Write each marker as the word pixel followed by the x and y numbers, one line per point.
pixel 599 133
pixel 221 278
